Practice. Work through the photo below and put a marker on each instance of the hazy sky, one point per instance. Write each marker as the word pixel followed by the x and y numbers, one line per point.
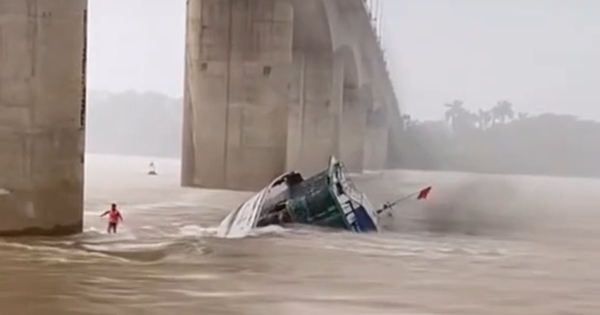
pixel 543 55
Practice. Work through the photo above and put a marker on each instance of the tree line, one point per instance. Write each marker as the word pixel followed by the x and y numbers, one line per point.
pixel 502 140
pixel 498 139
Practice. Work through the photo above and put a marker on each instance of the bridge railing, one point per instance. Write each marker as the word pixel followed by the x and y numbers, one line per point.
pixel 374 9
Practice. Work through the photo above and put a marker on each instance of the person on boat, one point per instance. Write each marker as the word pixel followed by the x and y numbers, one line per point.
pixel 284 216
pixel 114 216
pixel 279 215
pixel 152 170
pixel 269 219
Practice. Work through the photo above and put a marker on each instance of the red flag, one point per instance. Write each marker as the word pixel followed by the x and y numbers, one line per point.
pixel 423 193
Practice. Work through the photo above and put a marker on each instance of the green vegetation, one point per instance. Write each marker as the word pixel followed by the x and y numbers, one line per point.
pixel 500 140
pixel 494 140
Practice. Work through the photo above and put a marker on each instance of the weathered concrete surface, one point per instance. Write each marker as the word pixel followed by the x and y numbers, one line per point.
pixel 42 106
pixel 353 126
pixel 239 54
pixel 269 87
pixel 314 116
pixel 315 106
pixel 376 140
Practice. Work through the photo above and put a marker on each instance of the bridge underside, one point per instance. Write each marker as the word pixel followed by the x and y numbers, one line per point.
pixel 270 85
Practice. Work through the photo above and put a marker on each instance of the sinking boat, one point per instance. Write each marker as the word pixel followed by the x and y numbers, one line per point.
pixel 328 199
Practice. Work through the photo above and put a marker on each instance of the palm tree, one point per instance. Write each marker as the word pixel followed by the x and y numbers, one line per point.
pixel 503 111
pixel 407 121
pixel 459 117
pixel 484 118
pixel 454 111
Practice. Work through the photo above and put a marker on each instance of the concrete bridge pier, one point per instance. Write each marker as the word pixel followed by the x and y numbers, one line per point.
pixel 314 116
pixel 353 127
pixel 42 116
pixel 376 139
pixel 272 85
pixel 238 60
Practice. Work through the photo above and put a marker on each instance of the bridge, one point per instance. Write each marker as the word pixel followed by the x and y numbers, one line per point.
pixel 270 86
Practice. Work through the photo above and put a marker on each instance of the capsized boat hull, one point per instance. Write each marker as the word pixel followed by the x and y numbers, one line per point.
pixel 244 219
pixel 328 199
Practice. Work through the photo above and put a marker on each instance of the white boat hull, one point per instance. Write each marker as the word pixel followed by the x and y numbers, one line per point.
pixel 241 222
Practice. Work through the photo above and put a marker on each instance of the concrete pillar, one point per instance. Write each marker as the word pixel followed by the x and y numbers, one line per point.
pixel 313 125
pixel 42 116
pixel 376 139
pixel 238 60
pixel 352 129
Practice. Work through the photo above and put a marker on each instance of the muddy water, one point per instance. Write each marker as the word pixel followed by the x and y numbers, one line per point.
pixel 480 245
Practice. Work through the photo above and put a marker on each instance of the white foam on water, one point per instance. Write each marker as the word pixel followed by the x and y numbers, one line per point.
pixel 101 236
pixel 424 248
pixel 255 232
pixel 186 277
pixel 197 230
pixel 268 230
pixel 214 294
pixel 56 254
pixel 127 247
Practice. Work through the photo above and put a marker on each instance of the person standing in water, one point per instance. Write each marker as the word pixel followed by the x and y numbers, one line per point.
pixel 114 216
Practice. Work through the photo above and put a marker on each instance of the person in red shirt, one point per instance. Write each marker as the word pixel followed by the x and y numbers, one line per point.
pixel 114 216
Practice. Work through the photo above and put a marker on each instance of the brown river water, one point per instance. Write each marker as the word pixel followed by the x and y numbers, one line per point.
pixel 480 245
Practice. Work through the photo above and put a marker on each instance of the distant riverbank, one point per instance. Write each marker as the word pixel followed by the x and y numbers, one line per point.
pixel 496 140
